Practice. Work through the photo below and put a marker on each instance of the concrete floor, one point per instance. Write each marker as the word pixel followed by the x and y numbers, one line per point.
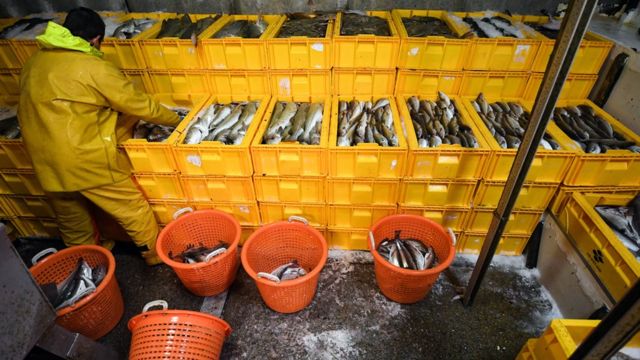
pixel 350 319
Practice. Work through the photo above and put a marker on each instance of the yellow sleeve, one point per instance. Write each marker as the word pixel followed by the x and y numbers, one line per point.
pixel 125 98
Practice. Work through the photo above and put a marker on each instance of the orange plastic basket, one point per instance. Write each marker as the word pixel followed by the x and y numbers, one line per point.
pixel 209 228
pixel 176 334
pixel 97 313
pixel 276 244
pixel 403 285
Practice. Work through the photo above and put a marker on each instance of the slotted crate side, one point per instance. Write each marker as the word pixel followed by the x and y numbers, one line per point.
pixel 19 182
pixel 363 81
pixel 165 210
pixel 6 210
pixel 37 227
pixel 140 80
pixel 218 189
pixel 9 58
pixel 13 153
pixel 179 81
pixel 160 186
pixel 316 214
pixel 357 217
pixel 451 193
pixel 564 193
pixel 10 82
pixel 300 52
pixel 420 82
pixel 348 239
pixel 471 243
pixel 526 353
pixel 247 214
pixel 494 84
pixel 361 191
pixel 30 206
pixel 532 196
pixel 454 218
pixel 576 86
pixel 290 189
pixel 520 222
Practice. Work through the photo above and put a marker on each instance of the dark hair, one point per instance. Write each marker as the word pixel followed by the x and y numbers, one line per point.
pixel 85 23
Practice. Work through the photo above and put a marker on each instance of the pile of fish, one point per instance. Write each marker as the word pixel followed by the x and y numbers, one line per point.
pixel 157 133
pixel 184 28
pixel 356 23
pixel 549 29
pixel 225 123
pixel 364 122
pixel 407 253
pixel 309 25
pixel 24 29
pixel 242 28
pixel 593 133
pixel 438 122
pixel 197 254
pixel 289 271
pixel 420 26
pixel 493 27
pixel 625 223
pixel 507 123
pixel 9 126
pixel 131 28
pixel 83 281
pixel 295 122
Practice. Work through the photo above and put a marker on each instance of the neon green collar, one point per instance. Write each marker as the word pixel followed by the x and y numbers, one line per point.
pixel 58 37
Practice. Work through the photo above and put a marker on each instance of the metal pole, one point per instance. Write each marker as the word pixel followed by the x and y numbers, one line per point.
pixel 573 27
pixel 614 331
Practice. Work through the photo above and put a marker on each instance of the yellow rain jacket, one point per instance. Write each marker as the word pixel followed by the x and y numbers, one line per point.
pixel 69 103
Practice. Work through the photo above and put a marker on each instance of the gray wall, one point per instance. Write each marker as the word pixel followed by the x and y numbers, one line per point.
pixel 23 7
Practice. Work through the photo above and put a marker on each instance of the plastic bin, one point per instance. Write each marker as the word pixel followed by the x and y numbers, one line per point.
pixel 218 189
pixel 178 81
pixel 30 206
pixel 357 217
pixel 521 222
pixel 13 153
pixel 526 353
pixel 613 168
pixel 140 79
pixel 532 196
pixel 606 256
pixel 430 52
pixel 363 81
pixel 348 239
pixel 448 217
pixel 315 214
pixel 451 193
pixel 37 227
pixel 164 210
pixel 160 186
pixel 471 243
pixel 235 53
pixel 564 193
pixel 19 182
pixel 290 189
pixel 9 58
pixel 300 52
pixel 366 160
pixel 366 51
pixel 247 213
pixel 10 82
pixel 361 191
pixel 577 86
pixel 410 82
pixel 494 84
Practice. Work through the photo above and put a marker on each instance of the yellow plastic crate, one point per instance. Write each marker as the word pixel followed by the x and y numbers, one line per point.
pixel 316 214
pixel 11 227
pixel 247 230
pixel 236 53
pixel 30 206
pixel 563 336
pixel 428 192
pixel 309 190
pixel 140 79
pixel 19 182
pixel 163 210
pixel 173 53
pixel 454 218
pixel 178 82
pixel 247 213
pixel 348 239
pixel 521 222
pixel 577 86
pixel 10 82
pixel 218 189
pixel 361 191
pixel 238 82
pixel 445 161
pixel 9 58
pixel 366 51
pixel 37 227
pixel 158 157
pixel 564 193
pixel 160 186
pixel 126 53
pixel 494 84
pixel 548 166
pixel 471 243
pixel 613 168
pixel 6 210
pixel 532 196
pixel 592 53
pixel 422 82
pixel 363 81
pixel 357 216
pixel 300 52
pixel 214 157
pixel 366 160
pixel 609 260
pixel 498 54
pixel 430 52
pixel 526 353
pixel 13 154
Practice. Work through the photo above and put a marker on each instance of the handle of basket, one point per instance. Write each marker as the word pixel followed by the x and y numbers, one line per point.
pixel 42 254
pixel 181 212
pixel 299 219
pixel 214 254
pixel 452 235
pixel 153 303
pixel 269 277
pixel 372 241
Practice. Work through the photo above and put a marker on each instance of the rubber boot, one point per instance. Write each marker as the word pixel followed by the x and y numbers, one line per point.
pixel 150 256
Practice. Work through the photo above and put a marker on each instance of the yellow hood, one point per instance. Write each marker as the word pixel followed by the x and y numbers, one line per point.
pixel 59 37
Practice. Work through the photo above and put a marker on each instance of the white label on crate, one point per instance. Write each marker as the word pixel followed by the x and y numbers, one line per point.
pixel 219 66
pixel 191 50
pixel 448 78
pixel 317 66
pixel 521 53
pixel 195 160
pixel 319 47
pixel 413 51
pixel 244 209
pixel 285 86
pixel 394 163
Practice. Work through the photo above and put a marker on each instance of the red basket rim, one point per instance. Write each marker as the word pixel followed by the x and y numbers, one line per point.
pixel 438 269
pixel 174 264
pixel 294 282
pixel 111 268
pixel 161 313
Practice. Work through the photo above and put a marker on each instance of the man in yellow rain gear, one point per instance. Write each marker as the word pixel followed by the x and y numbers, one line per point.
pixel 70 99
